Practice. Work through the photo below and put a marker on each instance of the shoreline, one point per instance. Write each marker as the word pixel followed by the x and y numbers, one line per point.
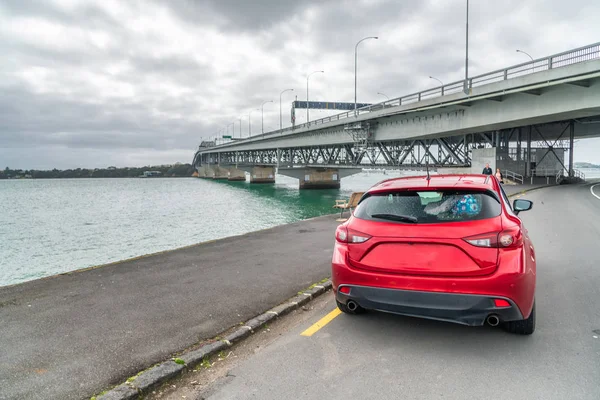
pixel 127 316
pixel 93 177
pixel 162 252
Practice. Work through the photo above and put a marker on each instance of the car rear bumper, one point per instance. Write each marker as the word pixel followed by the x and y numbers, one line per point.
pixel 466 309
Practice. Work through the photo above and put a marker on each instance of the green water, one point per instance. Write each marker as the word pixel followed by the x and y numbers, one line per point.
pixel 49 227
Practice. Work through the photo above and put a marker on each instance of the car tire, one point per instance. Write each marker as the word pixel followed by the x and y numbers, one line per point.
pixel 523 326
pixel 343 308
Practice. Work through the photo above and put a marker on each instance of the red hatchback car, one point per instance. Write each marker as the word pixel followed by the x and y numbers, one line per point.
pixel 448 247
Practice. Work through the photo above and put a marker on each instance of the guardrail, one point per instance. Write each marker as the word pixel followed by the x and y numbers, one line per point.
pixel 558 174
pixel 545 172
pixel 579 174
pixel 513 176
pixel 559 177
pixel 574 56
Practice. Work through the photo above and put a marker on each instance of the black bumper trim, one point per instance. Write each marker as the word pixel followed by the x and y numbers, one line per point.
pixel 466 309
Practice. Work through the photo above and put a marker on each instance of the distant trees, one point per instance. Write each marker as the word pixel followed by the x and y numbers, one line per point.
pixel 586 165
pixel 176 170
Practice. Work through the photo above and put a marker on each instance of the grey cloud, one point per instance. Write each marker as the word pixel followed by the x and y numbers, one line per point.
pixel 156 122
pixel 93 16
pixel 62 121
pixel 239 15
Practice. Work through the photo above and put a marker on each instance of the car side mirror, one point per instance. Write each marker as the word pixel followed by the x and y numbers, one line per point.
pixel 521 205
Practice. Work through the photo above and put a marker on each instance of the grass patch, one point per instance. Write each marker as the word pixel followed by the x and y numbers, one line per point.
pixel 206 363
pixel 179 361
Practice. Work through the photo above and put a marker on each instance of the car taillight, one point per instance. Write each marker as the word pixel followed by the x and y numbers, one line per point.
pixel 346 235
pixel 509 238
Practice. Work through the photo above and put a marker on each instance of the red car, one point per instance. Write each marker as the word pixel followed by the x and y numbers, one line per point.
pixel 448 247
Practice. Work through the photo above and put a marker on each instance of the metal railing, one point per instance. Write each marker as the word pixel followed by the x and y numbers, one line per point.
pixel 559 174
pixel 513 176
pixel 545 173
pixel 578 174
pixel 562 173
pixel 559 177
pixel 574 56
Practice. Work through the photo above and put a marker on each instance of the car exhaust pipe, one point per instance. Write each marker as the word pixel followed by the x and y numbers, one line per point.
pixel 493 320
pixel 352 306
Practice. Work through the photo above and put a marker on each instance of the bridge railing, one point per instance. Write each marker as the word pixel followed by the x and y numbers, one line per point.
pixel 579 174
pixel 513 176
pixel 563 172
pixel 574 56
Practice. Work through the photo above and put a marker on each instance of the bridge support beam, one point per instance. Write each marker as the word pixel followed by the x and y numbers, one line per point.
pixel 259 173
pixel 217 172
pixel 264 174
pixel 571 149
pixel 318 178
pixel 236 174
pixel 204 171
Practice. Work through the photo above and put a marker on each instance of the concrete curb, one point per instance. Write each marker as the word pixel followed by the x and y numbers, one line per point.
pixel 143 383
pixel 529 190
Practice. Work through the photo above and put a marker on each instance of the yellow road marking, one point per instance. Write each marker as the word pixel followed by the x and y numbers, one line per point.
pixel 321 323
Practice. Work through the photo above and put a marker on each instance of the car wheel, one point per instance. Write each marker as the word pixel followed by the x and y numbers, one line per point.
pixel 344 308
pixel 523 326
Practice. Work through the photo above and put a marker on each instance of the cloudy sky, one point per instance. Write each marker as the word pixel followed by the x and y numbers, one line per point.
pixel 93 83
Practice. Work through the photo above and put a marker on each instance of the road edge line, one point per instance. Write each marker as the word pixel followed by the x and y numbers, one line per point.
pixel 592 190
pixel 141 384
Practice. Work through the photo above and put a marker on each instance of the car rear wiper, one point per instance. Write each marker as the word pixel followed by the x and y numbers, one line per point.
pixel 395 217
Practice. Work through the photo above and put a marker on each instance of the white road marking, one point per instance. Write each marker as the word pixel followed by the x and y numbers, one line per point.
pixel 592 190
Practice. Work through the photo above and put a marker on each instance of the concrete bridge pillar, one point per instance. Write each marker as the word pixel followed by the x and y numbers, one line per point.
pixel 264 174
pixel 317 177
pixel 218 172
pixel 236 174
pixel 204 171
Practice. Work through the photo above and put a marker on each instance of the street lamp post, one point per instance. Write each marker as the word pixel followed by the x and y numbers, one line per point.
pixel 249 124
pixel 262 113
pixel 241 125
pixel 524 52
pixel 466 88
pixel 232 129
pixel 280 117
pixel 383 94
pixel 434 78
pixel 355 66
pixel 441 83
pixel 528 55
pixel 314 72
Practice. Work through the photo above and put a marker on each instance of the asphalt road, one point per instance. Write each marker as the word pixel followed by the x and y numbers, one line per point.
pixel 71 336
pixel 383 356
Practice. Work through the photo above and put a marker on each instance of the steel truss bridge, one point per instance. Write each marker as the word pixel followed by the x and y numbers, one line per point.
pixel 546 104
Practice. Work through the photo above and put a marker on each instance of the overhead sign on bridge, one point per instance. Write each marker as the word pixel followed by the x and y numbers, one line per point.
pixel 327 105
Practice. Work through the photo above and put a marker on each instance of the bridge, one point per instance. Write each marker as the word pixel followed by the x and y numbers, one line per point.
pixel 523 119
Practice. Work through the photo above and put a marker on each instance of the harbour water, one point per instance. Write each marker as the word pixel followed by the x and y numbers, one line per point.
pixel 49 227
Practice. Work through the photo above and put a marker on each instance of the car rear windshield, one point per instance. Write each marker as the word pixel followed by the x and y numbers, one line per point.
pixel 426 207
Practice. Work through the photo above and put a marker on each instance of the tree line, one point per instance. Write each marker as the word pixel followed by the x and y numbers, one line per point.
pixel 176 170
